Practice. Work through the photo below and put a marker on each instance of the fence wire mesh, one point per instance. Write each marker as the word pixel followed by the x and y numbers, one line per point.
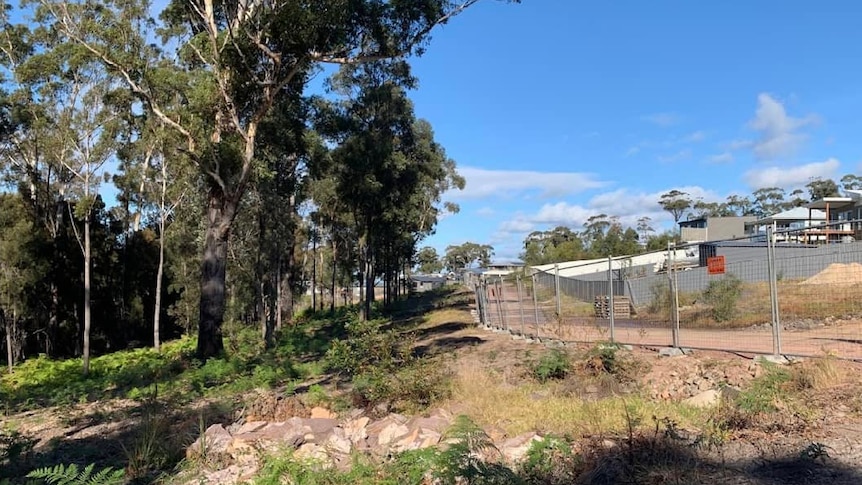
pixel 795 292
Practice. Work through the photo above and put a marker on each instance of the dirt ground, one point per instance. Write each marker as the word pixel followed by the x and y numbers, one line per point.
pixel 828 451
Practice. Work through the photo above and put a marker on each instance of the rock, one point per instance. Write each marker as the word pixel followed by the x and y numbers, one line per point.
pixel 322 413
pixel 313 452
pixel 339 443
pixel 704 399
pixel 774 359
pixel 514 449
pixel 355 429
pixel 319 429
pixel 730 392
pixel 408 442
pixel 251 427
pixel 216 440
pixel 390 433
pixel 670 352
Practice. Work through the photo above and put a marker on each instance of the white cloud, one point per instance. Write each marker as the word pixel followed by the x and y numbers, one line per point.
pixel 791 176
pixel 779 133
pixel 485 212
pixel 679 156
pixel 482 183
pixel 662 119
pixel 632 151
pixel 626 205
pixel 724 157
pixel 695 137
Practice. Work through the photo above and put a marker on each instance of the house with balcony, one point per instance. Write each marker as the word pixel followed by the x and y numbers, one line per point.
pixel 843 217
pixel 704 229
pixel 797 225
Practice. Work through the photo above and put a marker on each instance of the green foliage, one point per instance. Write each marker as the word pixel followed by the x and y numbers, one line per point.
pixel 468 457
pixel 723 295
pixel 553 364
pixel 465 255
pixel 72 475
pixel 765 391
pixel 383 368
pixel 608 358
pixel 551 461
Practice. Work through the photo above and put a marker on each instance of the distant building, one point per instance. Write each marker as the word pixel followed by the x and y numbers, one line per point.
pixel 705 229
pixel 502 268
pixel 422 283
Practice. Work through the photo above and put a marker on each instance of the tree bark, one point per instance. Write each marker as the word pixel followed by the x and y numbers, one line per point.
pixel 159 272
pixel 219 216
pixel 332 290
pixel 7 324
pixel 87 265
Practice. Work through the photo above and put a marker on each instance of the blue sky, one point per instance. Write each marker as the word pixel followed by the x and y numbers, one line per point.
pixel 557 110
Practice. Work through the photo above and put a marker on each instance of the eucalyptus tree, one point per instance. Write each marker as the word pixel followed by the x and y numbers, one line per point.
pixel 235 61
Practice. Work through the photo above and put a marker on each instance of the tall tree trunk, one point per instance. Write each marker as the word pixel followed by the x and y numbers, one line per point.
pixel 87 265
pixel 332 290
pixel 7 324
pixel 279 293
pixel 159 272
pixel 362 268
pixel 219 216
pixel 369 283
pixel 313 272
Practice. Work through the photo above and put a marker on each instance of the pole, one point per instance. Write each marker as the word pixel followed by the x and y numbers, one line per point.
pixel 504 306
pixel 536 305
pixel 773 291
pixel 674 297
pixel 611 297
pixel 521 305
pixel 500 304
pixel 557 288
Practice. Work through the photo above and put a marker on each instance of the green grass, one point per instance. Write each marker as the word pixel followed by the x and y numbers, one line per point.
pixel 175 373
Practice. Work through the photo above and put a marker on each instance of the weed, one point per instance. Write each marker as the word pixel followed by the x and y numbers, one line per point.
pixel 610 359
pixel 815 451
pixel 723 295
pixel 14 446
pixel 554 364
pixel 552 461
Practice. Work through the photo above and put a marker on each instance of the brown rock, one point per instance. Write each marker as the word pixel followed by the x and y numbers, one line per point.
pixel 251 427
pixel 322 413
pixel 514 449
pixel 215 440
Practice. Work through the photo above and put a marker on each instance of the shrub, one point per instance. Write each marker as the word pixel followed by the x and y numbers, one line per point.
pixel 609 359
pixel 551 461
pixel 384 370
pixel 723 295
pixel 554 364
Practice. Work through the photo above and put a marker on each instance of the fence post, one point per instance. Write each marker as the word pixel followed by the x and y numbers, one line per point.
pixel 773 291
pixel 557 289
pixel 504 322
pixel 674 293
pixel 536 306
pixel 611 297
pixel 521 305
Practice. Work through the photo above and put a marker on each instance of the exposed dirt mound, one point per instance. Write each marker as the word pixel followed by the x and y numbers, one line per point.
pixel 837 274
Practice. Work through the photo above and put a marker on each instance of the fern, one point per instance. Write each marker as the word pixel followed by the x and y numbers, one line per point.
pixel 72 475
pixel 464 460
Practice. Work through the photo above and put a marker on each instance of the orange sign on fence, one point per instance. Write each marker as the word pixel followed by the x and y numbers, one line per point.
pixel 715 265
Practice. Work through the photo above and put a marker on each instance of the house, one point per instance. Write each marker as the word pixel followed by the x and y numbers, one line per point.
pixel 422 283
pixel 502 268
pixel 705 229
pixel 843 216
pixel 799 224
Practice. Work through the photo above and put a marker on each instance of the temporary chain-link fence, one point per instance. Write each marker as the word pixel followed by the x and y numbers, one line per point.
pixel 793 293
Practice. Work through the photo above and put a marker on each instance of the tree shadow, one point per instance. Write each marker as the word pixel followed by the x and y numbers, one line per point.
pixel 666 460
pixel 150 441
pixel 446 345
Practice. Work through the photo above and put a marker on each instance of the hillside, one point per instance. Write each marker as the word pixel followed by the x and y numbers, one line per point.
pixel 424 378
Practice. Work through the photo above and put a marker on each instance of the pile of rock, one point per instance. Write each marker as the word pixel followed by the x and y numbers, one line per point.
pixel 326 440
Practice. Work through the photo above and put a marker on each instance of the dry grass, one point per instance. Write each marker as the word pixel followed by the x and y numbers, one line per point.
pixel 797 301
pixel 505 399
